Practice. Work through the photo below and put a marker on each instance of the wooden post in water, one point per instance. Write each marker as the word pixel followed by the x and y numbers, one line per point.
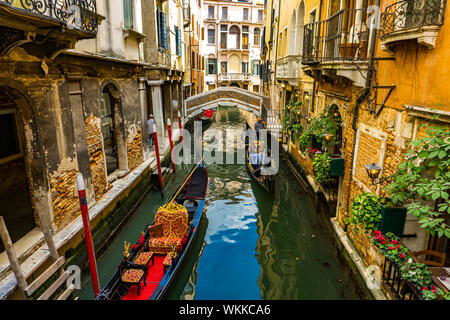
pixel 181 127
pixel 169 129
pixel 12 257
pixel 87 233
pixel 158 162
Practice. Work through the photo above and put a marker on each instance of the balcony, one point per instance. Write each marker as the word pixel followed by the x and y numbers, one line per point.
pixel 74 17
pixel 338 46
pixel 186 13
pixel 411 19
pixel 225 76
pixel 288 68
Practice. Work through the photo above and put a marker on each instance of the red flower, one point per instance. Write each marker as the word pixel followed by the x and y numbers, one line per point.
pixel 424 288
pixel 434 289
pixel 402 255
pixel 377 232
pixel 394 241
pixel 391 248
pixel 383 242
pixel 398 247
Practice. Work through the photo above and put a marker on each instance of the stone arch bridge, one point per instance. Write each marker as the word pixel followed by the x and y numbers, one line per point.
pixel 227 96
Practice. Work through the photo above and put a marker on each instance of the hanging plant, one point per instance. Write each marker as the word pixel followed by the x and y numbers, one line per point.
pixel 322 167
pixel 305 140
pixel 422 181
pixel 366 211
pixel 297 130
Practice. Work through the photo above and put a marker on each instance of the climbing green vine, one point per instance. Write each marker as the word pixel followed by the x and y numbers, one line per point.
pixel 422 181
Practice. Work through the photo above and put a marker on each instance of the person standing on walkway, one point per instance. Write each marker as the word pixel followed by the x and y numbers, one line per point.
pixel 150 125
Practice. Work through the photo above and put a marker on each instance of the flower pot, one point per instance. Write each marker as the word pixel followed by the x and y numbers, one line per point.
pixel 337 167
pixel 392 220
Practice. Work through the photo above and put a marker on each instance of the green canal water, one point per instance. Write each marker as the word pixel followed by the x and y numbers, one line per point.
pixel 251 244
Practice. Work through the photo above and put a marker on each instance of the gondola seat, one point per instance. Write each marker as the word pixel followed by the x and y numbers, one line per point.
pixel 171 224
pixel 144 258
pixel 168 260
pixel 132 274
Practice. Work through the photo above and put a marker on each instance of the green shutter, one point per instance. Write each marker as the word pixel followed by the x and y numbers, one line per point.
pixel 207 66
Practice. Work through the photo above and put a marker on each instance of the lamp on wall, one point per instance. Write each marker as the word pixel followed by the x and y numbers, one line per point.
pixel 373 171
pixel 308 118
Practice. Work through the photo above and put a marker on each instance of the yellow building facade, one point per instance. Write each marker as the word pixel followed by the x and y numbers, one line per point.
pixel 379 68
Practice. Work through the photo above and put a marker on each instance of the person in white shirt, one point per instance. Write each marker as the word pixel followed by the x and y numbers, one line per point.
pixel 150 123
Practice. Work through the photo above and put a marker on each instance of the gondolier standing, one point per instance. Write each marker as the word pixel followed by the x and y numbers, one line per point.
pixel 150 123
pixel 258 127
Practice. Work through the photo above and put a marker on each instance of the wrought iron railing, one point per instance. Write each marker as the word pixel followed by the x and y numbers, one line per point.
pixel 400 288
pixel 411 14
pixel 344 36
pixel 76 14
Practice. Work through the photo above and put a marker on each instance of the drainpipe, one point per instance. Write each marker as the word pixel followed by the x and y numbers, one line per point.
pixel 276 52
pixel 366 90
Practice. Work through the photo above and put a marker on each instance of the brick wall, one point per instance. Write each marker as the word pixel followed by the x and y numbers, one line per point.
pixel 135 151
pixel 96 156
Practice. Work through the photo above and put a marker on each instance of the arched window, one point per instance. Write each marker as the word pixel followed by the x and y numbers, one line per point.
pixel 235 38
pixel 292 30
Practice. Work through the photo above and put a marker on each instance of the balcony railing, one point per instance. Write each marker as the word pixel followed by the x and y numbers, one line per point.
pixel 410 14
pixel 234 76
pixel 342 37
pixel 288 67
pixel 76 14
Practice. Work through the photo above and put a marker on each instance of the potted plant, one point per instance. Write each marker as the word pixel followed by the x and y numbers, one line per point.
pixel 321 164
pixel 365 210
pixel 392 217
pixel 305 140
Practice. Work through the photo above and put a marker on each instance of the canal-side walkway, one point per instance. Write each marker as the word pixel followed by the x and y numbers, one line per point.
pixel 37 254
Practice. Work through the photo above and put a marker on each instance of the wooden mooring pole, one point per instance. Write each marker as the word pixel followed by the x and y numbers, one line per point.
pixel 14 262
pixel 169 129
pixel 87 233
pixel 158 161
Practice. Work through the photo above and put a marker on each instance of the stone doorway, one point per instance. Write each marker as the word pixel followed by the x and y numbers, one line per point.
pixel 15 197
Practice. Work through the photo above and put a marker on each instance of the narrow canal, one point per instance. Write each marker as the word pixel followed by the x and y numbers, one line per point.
pixel 253 245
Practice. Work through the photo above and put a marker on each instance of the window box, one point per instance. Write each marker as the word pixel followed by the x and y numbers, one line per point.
pixel 337 167
pixel 392 218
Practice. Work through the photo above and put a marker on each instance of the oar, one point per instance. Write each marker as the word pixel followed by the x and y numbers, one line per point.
pixel 184 183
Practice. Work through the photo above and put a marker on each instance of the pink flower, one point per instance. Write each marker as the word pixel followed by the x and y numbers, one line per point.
pixel 434 289
pixel 394 241
pixel 391 248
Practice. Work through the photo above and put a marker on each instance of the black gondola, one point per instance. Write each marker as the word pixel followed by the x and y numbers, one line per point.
pixel 258 162
pixel 150 277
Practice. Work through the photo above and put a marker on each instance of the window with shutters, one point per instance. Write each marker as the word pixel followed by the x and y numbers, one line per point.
pixel 212 66
pixel 178 41
pixel 223 36
pixel 256 67
pixel 245 37
pixel 244 67
pixel 257 37
pixel 128 21
pixel 223 67
pixel 162 29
